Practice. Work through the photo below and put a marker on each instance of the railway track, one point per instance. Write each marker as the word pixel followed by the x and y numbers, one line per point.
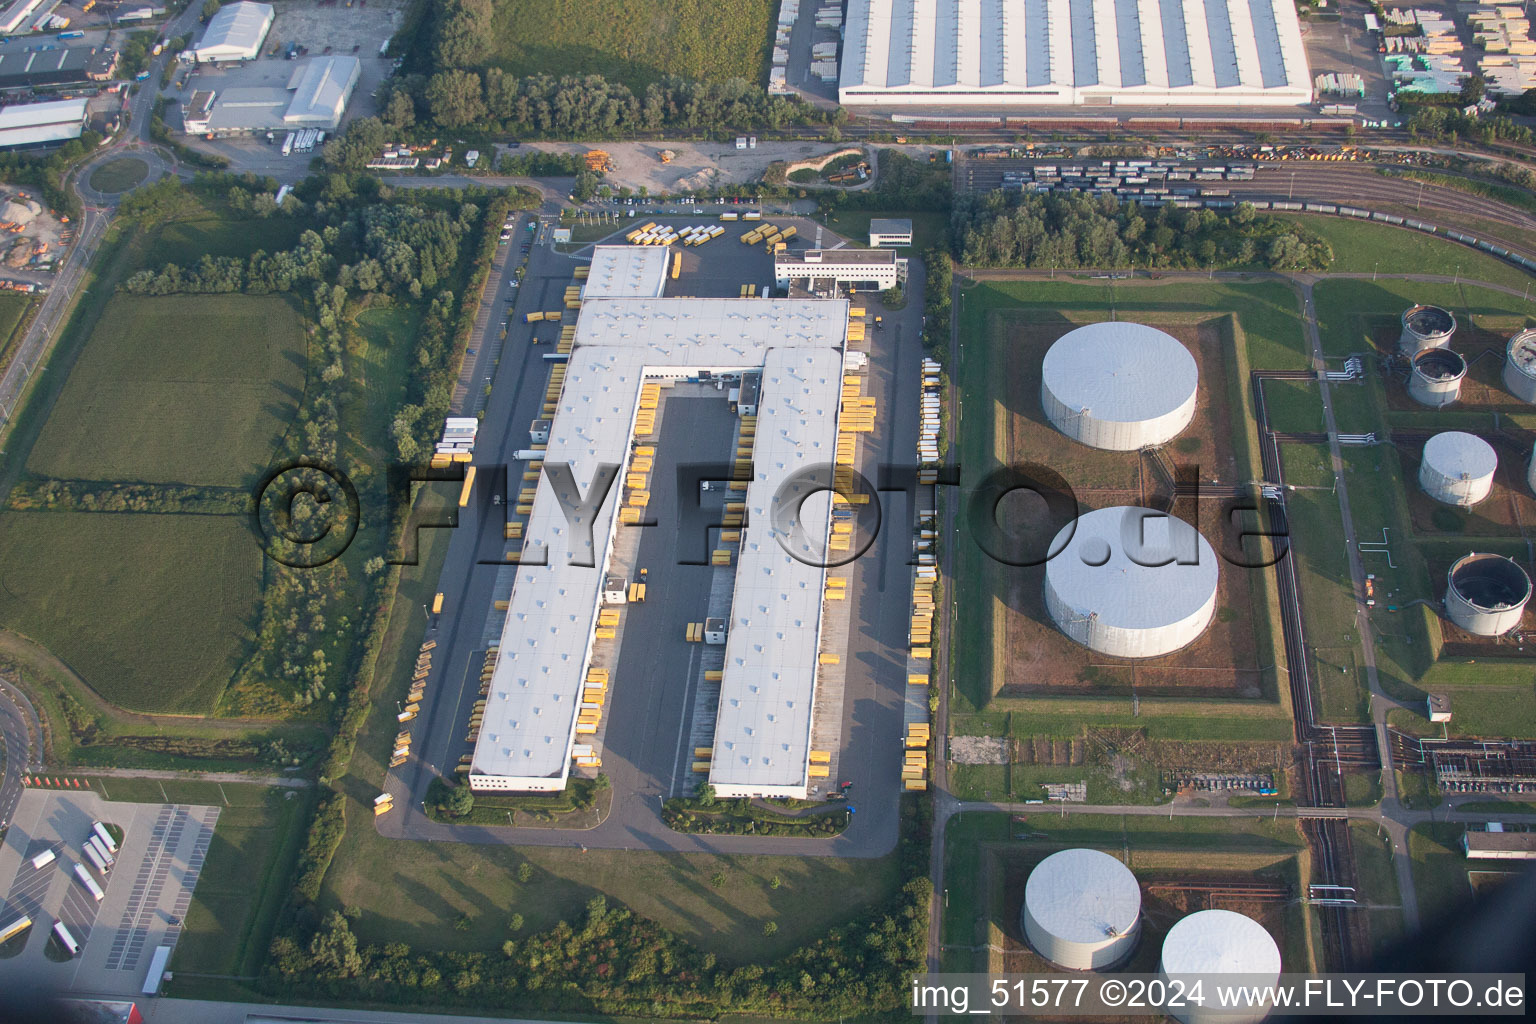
pixel 1328 749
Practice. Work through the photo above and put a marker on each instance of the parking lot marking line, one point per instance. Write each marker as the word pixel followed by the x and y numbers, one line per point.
pixel 682 725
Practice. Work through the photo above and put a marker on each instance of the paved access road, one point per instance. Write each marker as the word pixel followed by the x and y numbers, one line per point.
pixel 649 696
pixel 20 738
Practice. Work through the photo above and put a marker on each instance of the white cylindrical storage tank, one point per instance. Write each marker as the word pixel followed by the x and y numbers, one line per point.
pixel 1425 327
pixel 1486 594
pixel 1520 365
pixel 1131 582
pixel 1530 472
pixel 1119 386
pixel 1219 942
pixel 1082 910
pixel 1457 468
pixel 1436 377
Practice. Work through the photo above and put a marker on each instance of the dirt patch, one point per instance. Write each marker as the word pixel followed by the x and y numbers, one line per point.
pixel 697 165
pixel 978 750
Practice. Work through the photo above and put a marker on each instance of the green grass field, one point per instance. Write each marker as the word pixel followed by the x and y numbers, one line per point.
pixel 243 882
pixel 1346 310
pixel 150 610
pixel 1439 871
pixel 1365 247
pixel 13 306
pixel 185 389
pixel 1376 884
pixel 184 242
pixel 119 175
pixel 1294 406
pixel 634 41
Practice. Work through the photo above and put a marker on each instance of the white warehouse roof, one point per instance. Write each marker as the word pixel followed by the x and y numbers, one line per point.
pixel 236 32
pixel 1093 52
pixel 627 271
pixel 763 729
pixel 321 90
pixel 30 124
pixel 531 709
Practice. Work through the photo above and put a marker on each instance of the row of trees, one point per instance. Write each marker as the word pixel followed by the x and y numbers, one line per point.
pixel 359 243
pixel 580 106
pixel 1077 230
pixel 1442 123
pixel 615 962
pixel 109 496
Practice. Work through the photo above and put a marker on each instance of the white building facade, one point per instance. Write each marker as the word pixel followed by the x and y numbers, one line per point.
pixel 1028 53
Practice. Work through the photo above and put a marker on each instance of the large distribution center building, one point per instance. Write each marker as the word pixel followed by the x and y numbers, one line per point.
pixel 1025 53
pixel 628 335
pixel 236 32
pixel 316 96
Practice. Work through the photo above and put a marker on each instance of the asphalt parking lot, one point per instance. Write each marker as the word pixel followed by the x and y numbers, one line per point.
pixel 1345 47
pixel 147 891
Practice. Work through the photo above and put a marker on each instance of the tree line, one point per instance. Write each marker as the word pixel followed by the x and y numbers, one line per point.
pixel 613 961
pixel 1076 230
pixel 415 249
pixel 46 173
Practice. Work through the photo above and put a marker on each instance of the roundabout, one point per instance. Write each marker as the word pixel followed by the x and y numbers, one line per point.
pixel 106 180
